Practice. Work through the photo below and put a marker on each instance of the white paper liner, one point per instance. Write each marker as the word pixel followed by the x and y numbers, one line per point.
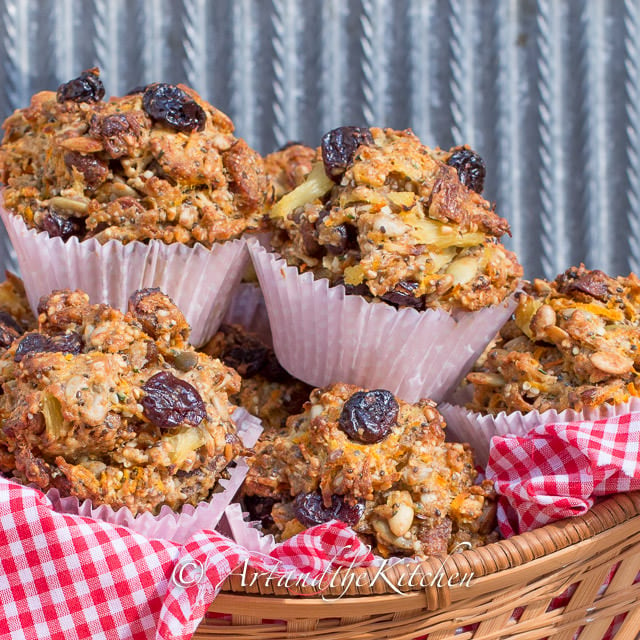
pixel 321 335
pixel 168 524
pixel 478 429
pixel 248 309
pixel 200 281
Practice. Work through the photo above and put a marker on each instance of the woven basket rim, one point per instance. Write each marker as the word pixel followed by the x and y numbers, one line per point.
pixel 493 558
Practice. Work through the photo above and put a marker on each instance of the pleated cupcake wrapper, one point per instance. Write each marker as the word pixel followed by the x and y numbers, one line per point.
pixel 168 524
pixel 478 429
pixel 245 532
pixel 321 335
pixel 248 309
pixel 200 281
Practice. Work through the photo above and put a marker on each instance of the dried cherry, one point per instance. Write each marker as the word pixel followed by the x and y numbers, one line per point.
pixel 64 227
pixel 170 401
pixel 310 510
pixel 259 509
pixel 339 146
pixel 470 168
pixel 170 105
pixel 369 416
pixel 40 343
pixel 403 295
pixel 94 170
pixel 87 87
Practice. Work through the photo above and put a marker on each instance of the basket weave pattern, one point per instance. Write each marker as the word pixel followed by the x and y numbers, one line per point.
pixel 513 592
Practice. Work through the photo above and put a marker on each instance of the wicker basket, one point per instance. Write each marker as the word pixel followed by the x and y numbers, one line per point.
pixel 509 596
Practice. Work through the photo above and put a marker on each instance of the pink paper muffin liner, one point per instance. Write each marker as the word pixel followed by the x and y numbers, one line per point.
pixel 168 524
pixel 321 335
pixel 477 429
pixel 248 309
pixel 200 281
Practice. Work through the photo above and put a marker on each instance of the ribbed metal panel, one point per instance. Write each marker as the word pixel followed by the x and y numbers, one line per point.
pixel 548 92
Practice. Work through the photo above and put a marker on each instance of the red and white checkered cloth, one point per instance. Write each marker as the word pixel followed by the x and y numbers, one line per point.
pixel 558 470
pixel 67 577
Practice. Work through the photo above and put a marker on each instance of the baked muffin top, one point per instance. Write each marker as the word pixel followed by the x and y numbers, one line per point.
pixel 116 408
pixel 375 462
pixel 388 217
pixel 267 390
pixel 288 167
pixel 573 343
pixel 159 163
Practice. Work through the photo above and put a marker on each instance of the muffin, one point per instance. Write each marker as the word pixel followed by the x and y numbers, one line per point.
pixel 571 349
pixel 288 167
pixel 117 409
pixel 267 390
pixel 375 462
pixel 383 219
pixel 159 172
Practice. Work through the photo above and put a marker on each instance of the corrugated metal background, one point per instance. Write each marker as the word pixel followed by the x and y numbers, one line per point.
pixel 548 92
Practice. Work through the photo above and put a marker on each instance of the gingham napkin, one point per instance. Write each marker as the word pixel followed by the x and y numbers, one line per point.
pixel 558 470
pixel 67 577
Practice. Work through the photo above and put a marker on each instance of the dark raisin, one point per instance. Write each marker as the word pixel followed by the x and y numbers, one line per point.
pixel 309 236
pixel 169 401
pixel 64 227
pixel 170 105
pixel 39 343
pixel 94 170
pixel 66 343
pixel 470 168
pixel 369 416
pixel 115 131
pixel 9 330
pixel 338 239
pixel 339 146
pixel 87 87
pixel 248 359
pixel 310 510
pixel 354 289
pixel 259 509
pixel 403 295
pixel 593 283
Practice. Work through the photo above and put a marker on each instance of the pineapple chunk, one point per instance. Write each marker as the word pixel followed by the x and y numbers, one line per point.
pixel 463 269
pixel 354 275
pixel 405 199
pixel 182 444
pixel 315 186
pixel 442 236
pixel 52 412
